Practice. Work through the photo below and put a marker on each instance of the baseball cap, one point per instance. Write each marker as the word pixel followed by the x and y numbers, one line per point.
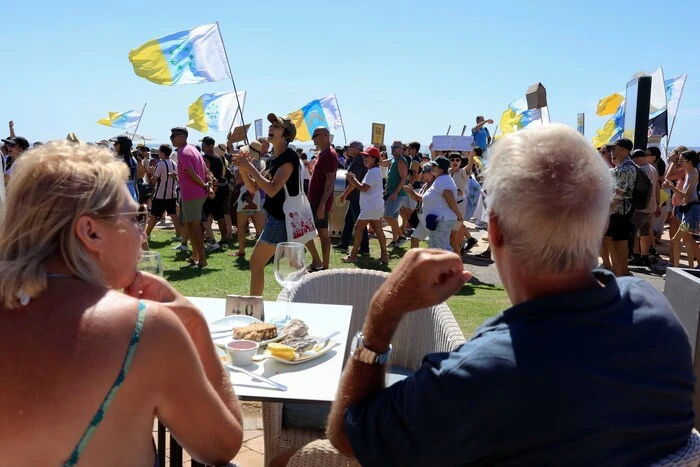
pixel 356 144
pixel 286 123
pixel 18 141
pixel 179 130
pixel 123 140
pixel 625 143
pixel 208 140
pixel 427 168
pixel 638 153
pixel 371 152
pixel 442 162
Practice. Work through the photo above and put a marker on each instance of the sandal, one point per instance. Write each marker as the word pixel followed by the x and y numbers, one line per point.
pixel 311 269
pixel 238 254
pixel 384 260
pixel 349 259
pixel 191 260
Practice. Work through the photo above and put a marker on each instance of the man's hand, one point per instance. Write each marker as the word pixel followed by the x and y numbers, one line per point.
pixel 321 212
pixel 12 125
pixel 421 279
pixel 342 198
pixel 489 121
pixel 393 196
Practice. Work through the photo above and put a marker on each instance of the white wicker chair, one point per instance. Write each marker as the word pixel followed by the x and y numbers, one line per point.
pixel 439 332
pixel 687 456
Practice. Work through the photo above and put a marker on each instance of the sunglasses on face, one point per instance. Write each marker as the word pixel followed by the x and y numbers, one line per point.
pixel 396 147
pixel 455 160
pixel 138 217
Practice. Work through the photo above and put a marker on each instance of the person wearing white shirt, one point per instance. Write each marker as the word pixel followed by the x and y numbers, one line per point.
pixel 440 208
pixel 371 204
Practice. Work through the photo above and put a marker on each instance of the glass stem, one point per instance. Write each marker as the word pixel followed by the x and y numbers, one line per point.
pixel 288 306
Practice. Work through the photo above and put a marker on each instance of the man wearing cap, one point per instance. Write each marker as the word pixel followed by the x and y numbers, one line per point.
pixel 321 196
pixel 194 188
pixel 214 208
pixel 482 137
pixel 357 167
pixel 394 195
pixel 16 146
pixel 642 218
pixel 620 225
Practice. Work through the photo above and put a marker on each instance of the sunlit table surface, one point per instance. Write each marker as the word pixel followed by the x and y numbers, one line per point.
pixel 315 381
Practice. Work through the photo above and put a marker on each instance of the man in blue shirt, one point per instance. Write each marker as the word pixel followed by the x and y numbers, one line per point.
pixel 583 369
pixel 482 137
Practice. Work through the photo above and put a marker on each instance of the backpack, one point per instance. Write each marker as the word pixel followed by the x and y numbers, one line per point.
pixel 642 190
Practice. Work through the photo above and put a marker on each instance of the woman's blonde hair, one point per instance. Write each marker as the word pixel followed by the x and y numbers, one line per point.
pixel 52 187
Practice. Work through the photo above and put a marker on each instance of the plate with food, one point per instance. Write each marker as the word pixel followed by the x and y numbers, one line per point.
pixel 295 351
pixel 252 329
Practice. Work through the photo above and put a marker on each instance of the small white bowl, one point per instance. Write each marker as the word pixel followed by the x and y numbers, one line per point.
pixel 241 352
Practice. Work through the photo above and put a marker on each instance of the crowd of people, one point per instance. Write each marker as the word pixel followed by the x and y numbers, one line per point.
pixel 570 367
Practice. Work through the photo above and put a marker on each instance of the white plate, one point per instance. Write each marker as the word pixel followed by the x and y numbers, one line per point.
pixel 329 345
pixel 235 321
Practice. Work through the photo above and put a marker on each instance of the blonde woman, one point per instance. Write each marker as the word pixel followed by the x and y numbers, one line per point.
pixel 91 366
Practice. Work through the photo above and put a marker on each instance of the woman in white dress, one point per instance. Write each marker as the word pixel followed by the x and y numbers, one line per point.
pixel 440 208
pixel 371 204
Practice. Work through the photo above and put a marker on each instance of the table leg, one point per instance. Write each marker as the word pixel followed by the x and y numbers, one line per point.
pixel 161 444
pixel 175 452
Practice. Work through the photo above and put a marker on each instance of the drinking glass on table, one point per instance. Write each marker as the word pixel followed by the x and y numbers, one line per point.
pixel 151 262
pixel 290 267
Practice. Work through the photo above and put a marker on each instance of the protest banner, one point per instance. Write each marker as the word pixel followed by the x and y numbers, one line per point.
pixel 452 143
pixel 580 123
pixel 258 128
pixel 377 134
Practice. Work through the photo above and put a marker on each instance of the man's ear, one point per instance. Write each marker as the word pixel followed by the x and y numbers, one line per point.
pixel 495 233
pixel 91 233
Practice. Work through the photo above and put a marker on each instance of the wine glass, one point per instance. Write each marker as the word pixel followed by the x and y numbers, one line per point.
pixel 290 267
pixel 151 262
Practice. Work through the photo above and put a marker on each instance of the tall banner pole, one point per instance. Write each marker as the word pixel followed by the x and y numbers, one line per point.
pixel 139 122
pixel 238 102
pixel 341 118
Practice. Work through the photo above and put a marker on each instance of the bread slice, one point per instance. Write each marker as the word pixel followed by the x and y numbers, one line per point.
pixel 257 332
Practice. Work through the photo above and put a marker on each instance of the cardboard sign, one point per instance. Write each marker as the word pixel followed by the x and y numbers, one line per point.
pixel 245 305
pixel 453 143
pixel 377 134
pixel 238 134
pixel 258 128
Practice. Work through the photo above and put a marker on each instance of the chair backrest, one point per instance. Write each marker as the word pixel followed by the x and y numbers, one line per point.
pixel 354 287
pixel 421 332
pixel 687 456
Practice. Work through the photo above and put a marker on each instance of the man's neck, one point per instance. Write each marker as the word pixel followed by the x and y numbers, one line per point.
pixel 527 287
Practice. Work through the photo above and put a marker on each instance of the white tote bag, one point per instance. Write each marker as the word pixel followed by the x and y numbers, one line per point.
pixel 298 216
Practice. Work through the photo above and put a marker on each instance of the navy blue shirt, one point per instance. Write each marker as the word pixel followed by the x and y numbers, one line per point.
pixel 598 377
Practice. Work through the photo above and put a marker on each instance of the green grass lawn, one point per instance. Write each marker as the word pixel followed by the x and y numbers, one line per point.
pixel 228 275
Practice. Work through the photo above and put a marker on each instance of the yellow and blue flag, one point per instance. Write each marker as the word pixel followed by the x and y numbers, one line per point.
pixel 128 120
pixel 609 105
pixel 217 111
pixel 320 112
pixel 185 57
pixel 612 130
pixel 517 116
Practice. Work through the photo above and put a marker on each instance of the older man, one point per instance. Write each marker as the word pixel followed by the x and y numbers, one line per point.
pixel 356 166
pixel 321 197
pixel 583 369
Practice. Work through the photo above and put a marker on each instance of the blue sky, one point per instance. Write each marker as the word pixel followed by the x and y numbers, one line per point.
pixel 416 66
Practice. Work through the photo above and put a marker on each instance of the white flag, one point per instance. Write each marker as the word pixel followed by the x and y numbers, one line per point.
pixel 674 90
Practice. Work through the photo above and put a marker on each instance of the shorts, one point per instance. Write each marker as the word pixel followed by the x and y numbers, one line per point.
pixel 420 232
pixel 440 237
pixel 691 220
pixel 215 206
pixel 392 208
pixel 619 227
pixel 321 223
pixel 458 225
pixel 410 203
pixel 192 210
pixel 642 223
pixel 370 214
pixel 275 230
pixel 159 206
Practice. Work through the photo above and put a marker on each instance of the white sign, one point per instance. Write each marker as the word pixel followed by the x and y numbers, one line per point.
pixel 258 128
pixel 453 143
pixel 245 305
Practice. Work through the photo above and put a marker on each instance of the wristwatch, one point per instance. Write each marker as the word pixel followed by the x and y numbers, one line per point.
pixel 359 352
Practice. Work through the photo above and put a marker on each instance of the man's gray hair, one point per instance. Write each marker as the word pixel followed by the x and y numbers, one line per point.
pixel 550 191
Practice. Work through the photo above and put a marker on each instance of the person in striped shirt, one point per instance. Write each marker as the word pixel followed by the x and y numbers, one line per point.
pixel 166 187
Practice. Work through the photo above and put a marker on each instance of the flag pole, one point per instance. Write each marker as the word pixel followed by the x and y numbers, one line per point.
pixel 448 129
pixel 341 119
pixel 139 123
pixel 673 122
pixel 238 102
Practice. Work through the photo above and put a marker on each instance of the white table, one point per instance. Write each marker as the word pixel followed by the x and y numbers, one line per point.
pixel 315 381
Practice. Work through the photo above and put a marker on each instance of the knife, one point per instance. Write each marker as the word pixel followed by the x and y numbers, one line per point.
pixel 319 345
pixel 279 386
